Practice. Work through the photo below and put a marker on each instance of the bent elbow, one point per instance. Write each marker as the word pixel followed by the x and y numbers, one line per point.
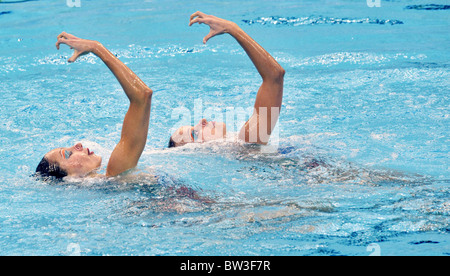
pixel 147 94
pixel 276 75
pixel 142 96
pixel 281 73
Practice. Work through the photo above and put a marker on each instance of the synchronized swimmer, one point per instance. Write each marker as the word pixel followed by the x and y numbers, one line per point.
pixel 78 161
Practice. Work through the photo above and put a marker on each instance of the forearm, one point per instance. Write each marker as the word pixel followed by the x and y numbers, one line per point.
pixel 270 95
pixel 135 89
pixel 266 65
pixel 136 122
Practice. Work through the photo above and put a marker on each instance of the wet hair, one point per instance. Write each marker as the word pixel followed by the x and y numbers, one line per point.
pixel 171 143
pixel 47 170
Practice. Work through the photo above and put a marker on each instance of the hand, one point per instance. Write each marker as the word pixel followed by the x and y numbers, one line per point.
pixel 81 46
pixel 217 25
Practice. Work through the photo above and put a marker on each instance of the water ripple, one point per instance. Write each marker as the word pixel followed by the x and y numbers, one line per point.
pixel 428 7
pixel 318 20
pixel 15 2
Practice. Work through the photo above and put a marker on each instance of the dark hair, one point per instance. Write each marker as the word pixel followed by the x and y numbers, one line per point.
pixel 171 143
pixel 46 170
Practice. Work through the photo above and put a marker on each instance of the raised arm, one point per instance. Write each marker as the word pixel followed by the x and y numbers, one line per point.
pixel 135 125
pixel 269 98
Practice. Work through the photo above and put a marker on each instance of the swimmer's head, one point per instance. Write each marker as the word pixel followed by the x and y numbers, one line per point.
pixel 74 161
pixel 204 131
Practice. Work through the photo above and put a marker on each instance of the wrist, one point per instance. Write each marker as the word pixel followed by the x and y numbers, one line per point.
pixel 233 28
pixel 95 47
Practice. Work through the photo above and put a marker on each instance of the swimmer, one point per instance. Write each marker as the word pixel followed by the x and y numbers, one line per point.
pixel 268 102
pixel 78 161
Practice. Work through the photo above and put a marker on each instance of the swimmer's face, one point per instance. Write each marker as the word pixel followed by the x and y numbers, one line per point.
pixel 204 131
pixel 76 160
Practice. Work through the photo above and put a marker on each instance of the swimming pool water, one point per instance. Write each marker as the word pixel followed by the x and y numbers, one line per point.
pixel 361 154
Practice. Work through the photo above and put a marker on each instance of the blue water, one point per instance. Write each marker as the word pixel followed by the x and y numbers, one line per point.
pixel 361 156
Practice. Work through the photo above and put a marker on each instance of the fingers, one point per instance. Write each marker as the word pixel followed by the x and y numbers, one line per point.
pixel 76 55
pixel 61 35
pixel 73 58
pixel 199 14
pixel 65 38
pixel 196 20
pixel 62 39
pixel 206 38
pixel 66 35
pixel 202 18
pixel 197 17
